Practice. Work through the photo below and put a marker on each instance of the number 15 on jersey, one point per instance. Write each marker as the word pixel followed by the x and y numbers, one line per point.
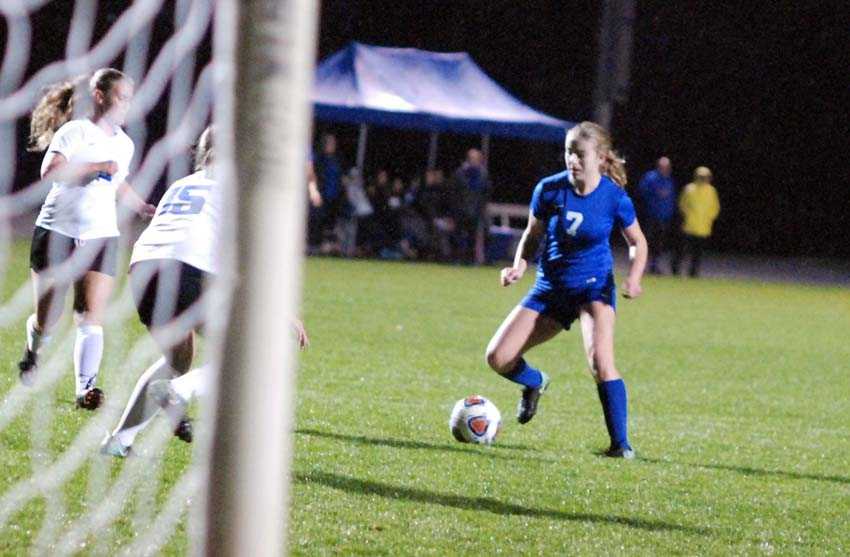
pixel 185 200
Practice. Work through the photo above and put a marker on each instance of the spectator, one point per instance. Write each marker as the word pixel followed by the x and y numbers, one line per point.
pixel 413 226
pixel 699 206
pixel 397 245
pixel 360 209
pixel 371 229
pixel 657 193
pixel 379 188
pixel 474 185
pixel 329 175
pixel 434 204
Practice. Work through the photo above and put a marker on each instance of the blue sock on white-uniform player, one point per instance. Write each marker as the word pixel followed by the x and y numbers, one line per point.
pixel 526 375
pixel 612 395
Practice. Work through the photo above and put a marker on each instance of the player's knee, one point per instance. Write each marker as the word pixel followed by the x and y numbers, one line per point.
pixel 598 363
pixel 604 369
pixel 498 360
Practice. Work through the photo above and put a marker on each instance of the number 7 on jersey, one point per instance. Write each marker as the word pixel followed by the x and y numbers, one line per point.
pixel 575 219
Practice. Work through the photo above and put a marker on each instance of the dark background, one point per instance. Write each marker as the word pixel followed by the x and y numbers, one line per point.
pixel 757 91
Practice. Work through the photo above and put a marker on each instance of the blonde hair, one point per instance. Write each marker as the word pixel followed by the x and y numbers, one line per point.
pixel 613 165
pixel 61 101
pixel 702 172
pixel 204 149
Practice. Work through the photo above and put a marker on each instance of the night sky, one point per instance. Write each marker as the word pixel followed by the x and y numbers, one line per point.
pixel 758 91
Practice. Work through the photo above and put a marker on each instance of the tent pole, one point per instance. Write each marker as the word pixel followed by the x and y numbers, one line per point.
pixel 482 232
pixel 432 151
pixel 361 147
pixel 485 149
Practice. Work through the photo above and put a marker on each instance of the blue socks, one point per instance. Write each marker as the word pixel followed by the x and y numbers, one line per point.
pixel 526 375
pixel 612 395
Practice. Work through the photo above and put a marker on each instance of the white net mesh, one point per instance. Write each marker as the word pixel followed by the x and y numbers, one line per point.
pixel 58 494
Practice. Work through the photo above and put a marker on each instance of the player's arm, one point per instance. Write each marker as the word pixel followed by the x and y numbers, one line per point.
pixel 525 250
pixel 130 199
pixel 59 169
pixel 638 252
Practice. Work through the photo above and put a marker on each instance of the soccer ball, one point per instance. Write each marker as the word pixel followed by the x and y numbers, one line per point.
pixel 475 420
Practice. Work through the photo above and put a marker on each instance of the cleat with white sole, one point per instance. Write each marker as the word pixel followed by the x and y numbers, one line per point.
pixel 163 394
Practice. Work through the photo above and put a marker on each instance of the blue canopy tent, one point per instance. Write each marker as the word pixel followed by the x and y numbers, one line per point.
pixel 429 91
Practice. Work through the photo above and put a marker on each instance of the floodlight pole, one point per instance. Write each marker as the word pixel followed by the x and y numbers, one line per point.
pixel 613 67
pixel 181 91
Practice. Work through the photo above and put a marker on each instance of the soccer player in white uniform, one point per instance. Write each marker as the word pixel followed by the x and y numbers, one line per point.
pixel 172 262
pixel 76 233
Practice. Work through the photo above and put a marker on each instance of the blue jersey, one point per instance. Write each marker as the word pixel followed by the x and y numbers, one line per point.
pixel 658 194
pixel 330 174
pixel 576 247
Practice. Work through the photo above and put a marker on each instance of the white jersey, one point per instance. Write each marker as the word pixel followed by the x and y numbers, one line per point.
pixel 186 225
pixel 86 211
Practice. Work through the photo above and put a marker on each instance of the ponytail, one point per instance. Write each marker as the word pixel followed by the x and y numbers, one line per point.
pixel 204 149
pixel 615 168
pixel 54 109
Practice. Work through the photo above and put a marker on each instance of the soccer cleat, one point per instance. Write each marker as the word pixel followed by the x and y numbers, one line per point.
pixel 91 399
pixel 621 452
pixel 163 394
pixel 183 431
pixel 27 367
pixel 527 407
pixel 113 447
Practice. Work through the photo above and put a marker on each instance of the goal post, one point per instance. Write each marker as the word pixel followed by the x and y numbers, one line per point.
pixel 251 446
pixel 65 492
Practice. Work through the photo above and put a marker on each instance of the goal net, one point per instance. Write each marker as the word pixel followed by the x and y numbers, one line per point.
pixel 247 67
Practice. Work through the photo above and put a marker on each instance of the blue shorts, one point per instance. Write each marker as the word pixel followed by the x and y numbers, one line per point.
pixel 563 303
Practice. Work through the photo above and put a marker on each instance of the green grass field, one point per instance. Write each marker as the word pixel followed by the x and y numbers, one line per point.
pixel 740 413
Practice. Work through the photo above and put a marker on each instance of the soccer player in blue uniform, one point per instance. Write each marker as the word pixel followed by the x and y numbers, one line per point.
pixel 573 213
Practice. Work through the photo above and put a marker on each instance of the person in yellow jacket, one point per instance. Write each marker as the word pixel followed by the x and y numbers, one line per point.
pixel 699 206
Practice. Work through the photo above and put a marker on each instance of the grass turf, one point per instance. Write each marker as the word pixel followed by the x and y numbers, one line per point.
pixel 739 413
